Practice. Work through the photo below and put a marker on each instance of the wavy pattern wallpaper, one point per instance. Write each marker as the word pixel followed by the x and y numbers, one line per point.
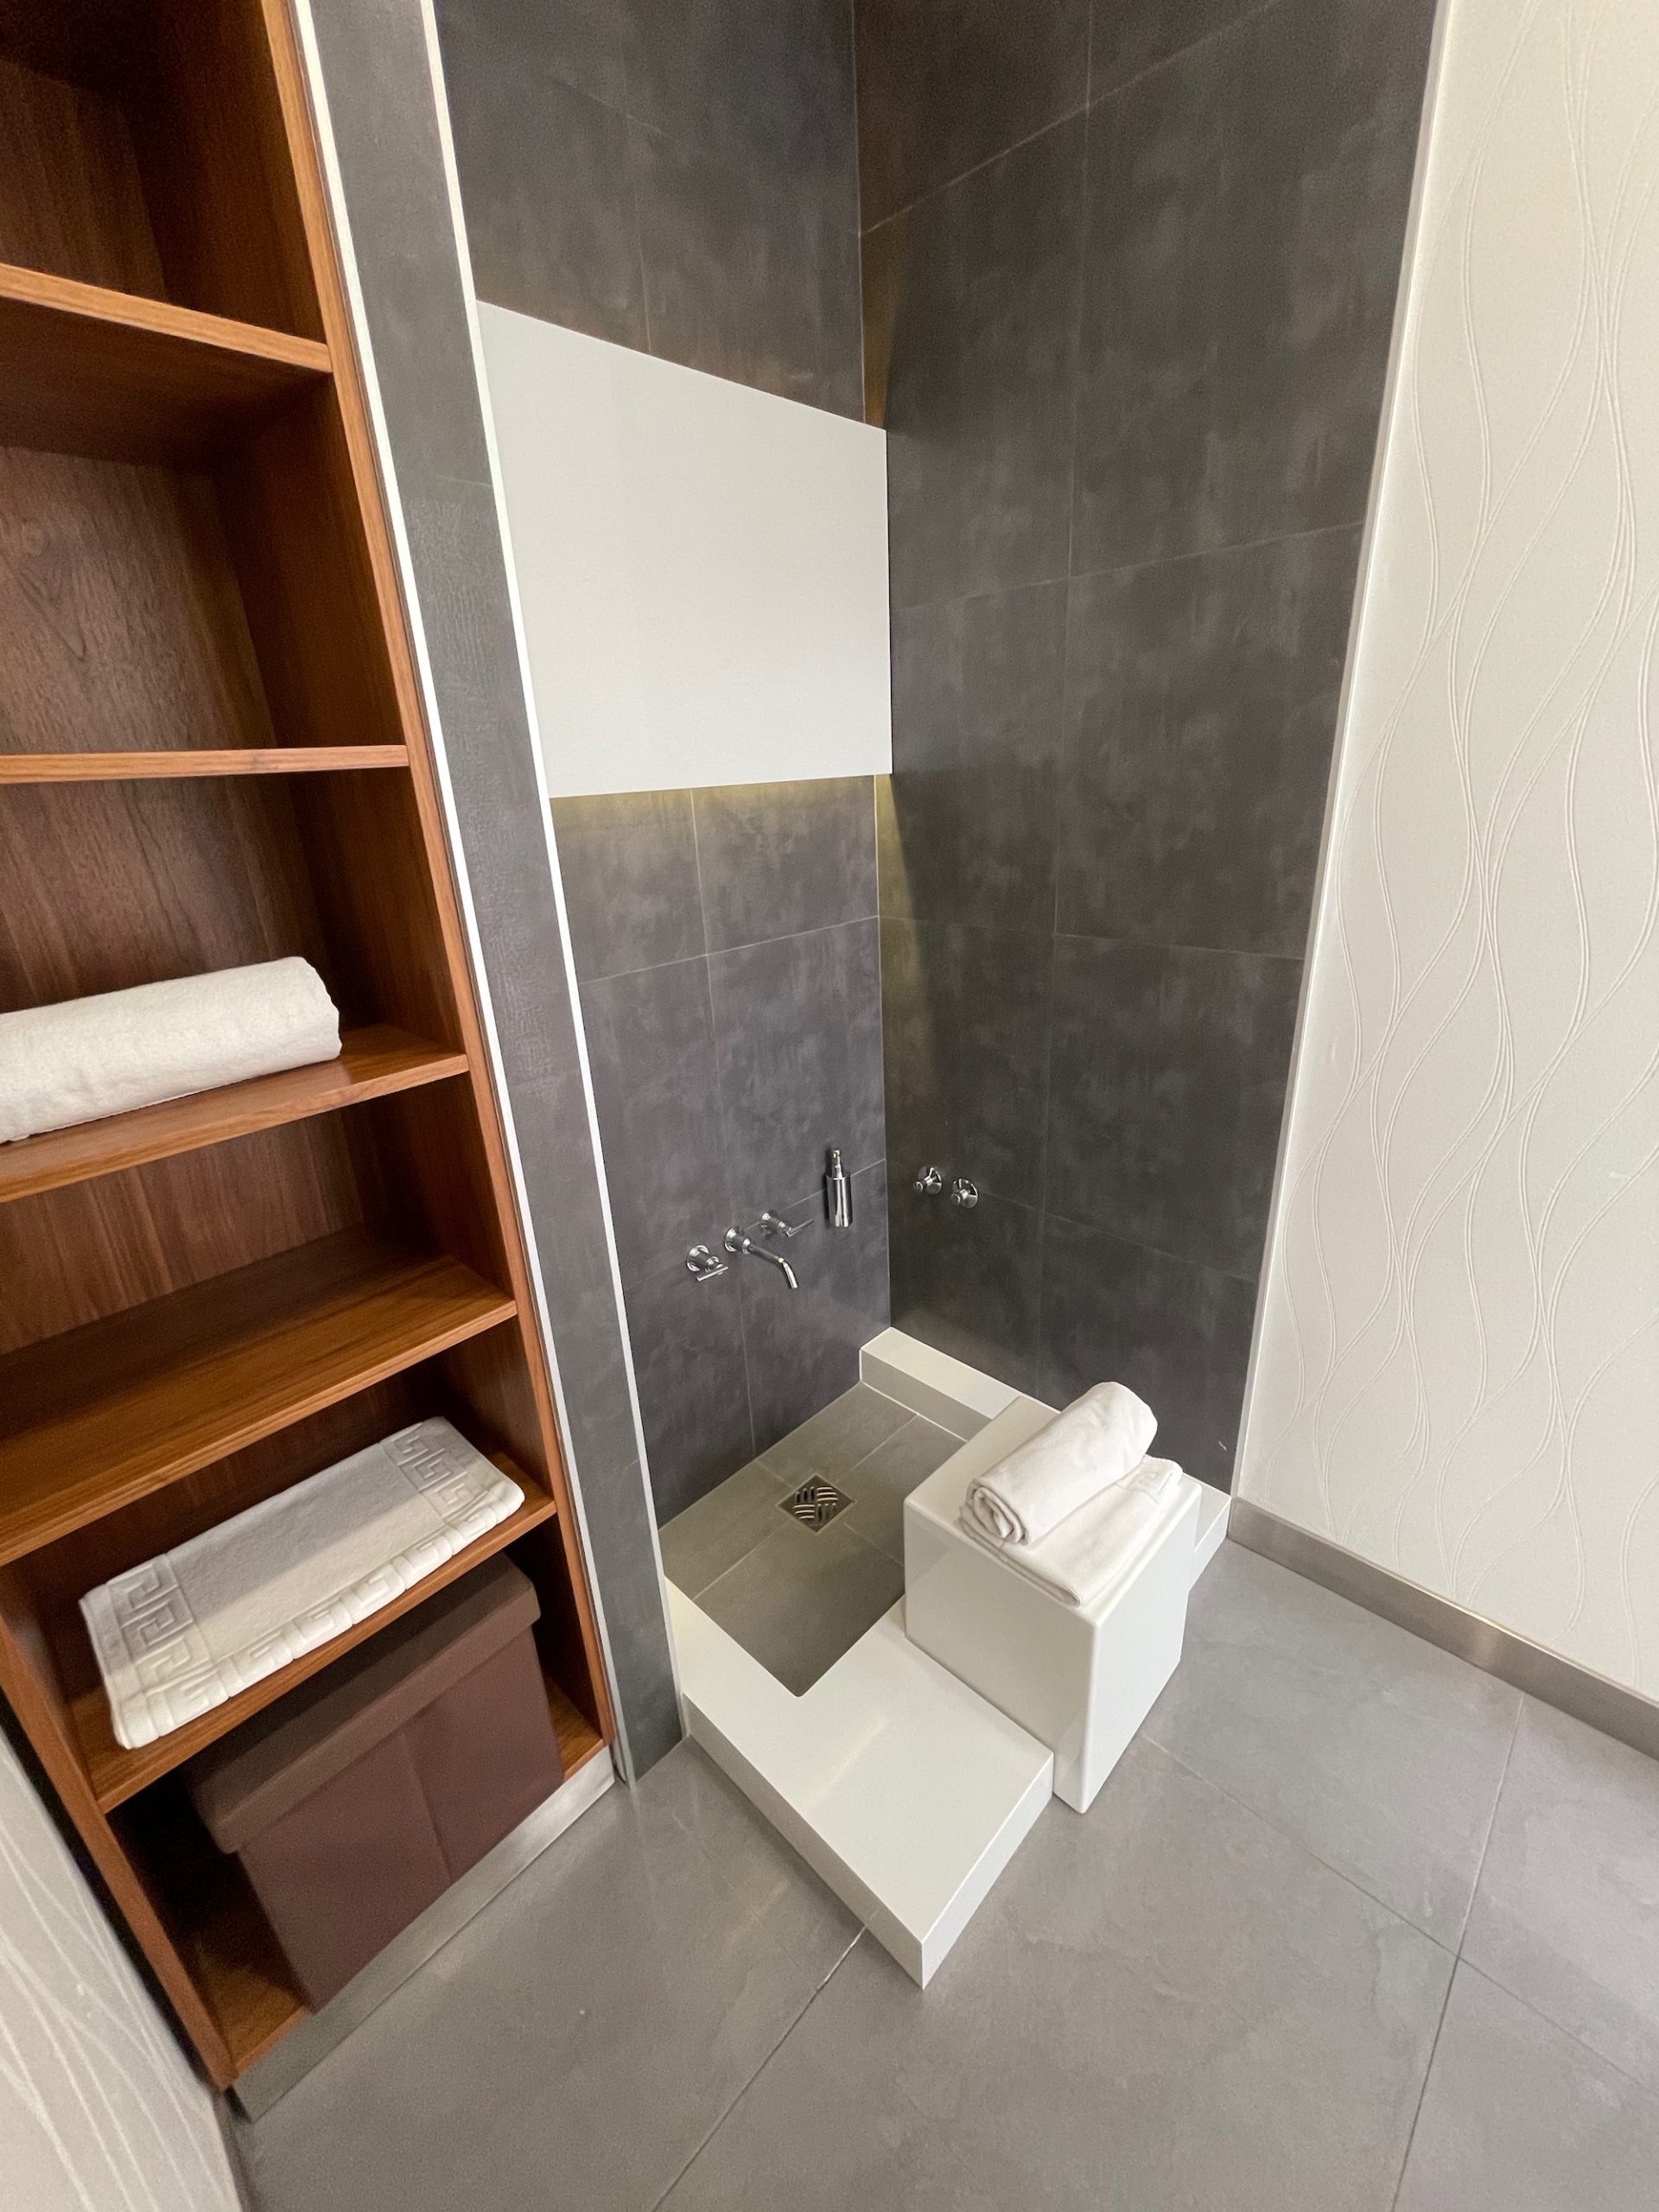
pixel 99 2111
pixel 1457 1373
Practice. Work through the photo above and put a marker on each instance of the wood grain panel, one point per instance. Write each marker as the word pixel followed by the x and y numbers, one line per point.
pixel 80 1254
pixel 121 626
pixel 71 199
pixel 110 885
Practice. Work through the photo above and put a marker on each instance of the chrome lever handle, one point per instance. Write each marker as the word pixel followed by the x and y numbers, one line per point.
pixel 775 1225
pixel 701 1265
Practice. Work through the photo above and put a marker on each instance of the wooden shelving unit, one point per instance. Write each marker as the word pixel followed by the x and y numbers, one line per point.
pixel 211 751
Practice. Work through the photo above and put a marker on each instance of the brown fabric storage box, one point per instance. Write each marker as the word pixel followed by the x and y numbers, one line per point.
pixel 355 1801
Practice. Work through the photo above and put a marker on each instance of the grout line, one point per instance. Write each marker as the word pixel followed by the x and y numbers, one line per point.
pixel 1497 1797
pixel 1169 61
pixel 1456 1956
pixel 1342 1873
pixel 746 2086
pixel 951 184
pixel 1263 545
pixel 1423 2088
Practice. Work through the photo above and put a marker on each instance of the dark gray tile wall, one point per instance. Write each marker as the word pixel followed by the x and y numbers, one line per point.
pixel 681 180
pixel 1129 287
pixel 730 954
pixel 383 108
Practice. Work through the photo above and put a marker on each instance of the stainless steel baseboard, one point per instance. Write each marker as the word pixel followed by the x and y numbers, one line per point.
pixel 310 2043
pixel 1544 1675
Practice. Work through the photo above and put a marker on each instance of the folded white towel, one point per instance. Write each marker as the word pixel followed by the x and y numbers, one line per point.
pixel 1093 1548
pixel 88 1058
pixel 1097 1441
pixel 186 1631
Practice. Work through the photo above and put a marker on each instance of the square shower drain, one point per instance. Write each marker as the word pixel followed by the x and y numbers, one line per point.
pixel 816 1504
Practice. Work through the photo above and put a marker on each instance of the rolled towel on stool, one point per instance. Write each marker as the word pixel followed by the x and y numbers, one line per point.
pixel 1092 1550
pixel 110 1054
pixel 1097 1441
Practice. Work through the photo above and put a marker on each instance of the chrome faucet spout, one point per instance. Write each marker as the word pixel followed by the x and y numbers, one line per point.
pixel 737 1242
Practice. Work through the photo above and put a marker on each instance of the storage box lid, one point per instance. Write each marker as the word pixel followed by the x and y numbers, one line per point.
pixel 275 1761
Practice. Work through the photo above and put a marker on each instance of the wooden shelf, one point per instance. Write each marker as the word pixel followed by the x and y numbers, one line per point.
pixel 372 1062
pixel 123 1407
pixel 117 1774
pixel 84 369
pixel 579 1740
pixel 145 767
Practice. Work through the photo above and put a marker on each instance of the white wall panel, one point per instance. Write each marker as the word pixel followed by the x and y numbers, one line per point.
pixel 702 567
pixel 1458 1370
pixel 99 2111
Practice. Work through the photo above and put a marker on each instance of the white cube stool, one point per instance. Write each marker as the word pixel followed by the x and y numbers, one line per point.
pixel 1081 1678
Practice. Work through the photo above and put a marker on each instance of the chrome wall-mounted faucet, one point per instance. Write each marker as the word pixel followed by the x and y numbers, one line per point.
pixel 737 1242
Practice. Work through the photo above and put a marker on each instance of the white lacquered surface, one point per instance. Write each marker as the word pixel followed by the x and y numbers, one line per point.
pixel 904 1790
pixel 703 569
pixel 1082 1678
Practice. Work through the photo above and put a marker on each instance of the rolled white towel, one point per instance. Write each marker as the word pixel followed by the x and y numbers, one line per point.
pixel 1092 1550
pixel 88 1058
pixel 1097 1441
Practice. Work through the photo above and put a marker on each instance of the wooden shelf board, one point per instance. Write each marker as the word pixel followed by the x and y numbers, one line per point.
pixel 579 1740
pixel 85 370
pixel 112 1411
pixel 372 1062
pixel 144 767
pixel 117 1774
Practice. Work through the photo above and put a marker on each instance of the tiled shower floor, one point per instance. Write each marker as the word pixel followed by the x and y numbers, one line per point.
pixel 797 1598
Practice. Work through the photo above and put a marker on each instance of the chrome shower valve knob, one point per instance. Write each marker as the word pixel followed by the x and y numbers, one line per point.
pixel 964 1193
pixel 929 1183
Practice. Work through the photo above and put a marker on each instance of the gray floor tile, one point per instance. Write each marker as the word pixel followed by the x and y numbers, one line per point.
pixel 712 1535
pixel 1379 1753
pixel 1519 2118
pixel 802 1597
pixel 835 1440
pixel 881 1482
pixel 1166 2004
pixel 1567 1913
pixel 572 2046
pixel 779 1890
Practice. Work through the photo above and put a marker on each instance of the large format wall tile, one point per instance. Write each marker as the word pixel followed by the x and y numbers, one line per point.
pixel 743 280
pixel 554 239
pixel 944 85
pixel 763 86
pixel 777 859
pixel 1176 1333
pixel 968 815
pixel 1169 407
pixel 797 1028
pixel 629 860
pixel 967 1282
pixel 681 180
pixel 1166 1085
pixel 694 1393
pixel 651 1044
pixel 965 1023
pixel 1247 209
pixel 1201 706
pixel 804 1345
pixel 971 311
pixel 1129 36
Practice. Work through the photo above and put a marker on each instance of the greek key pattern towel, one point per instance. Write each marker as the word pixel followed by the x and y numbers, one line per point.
pixel 189 1630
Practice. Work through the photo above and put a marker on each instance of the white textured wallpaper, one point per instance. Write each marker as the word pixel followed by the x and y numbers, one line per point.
pixel 98 2110
pixel 1458 1375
